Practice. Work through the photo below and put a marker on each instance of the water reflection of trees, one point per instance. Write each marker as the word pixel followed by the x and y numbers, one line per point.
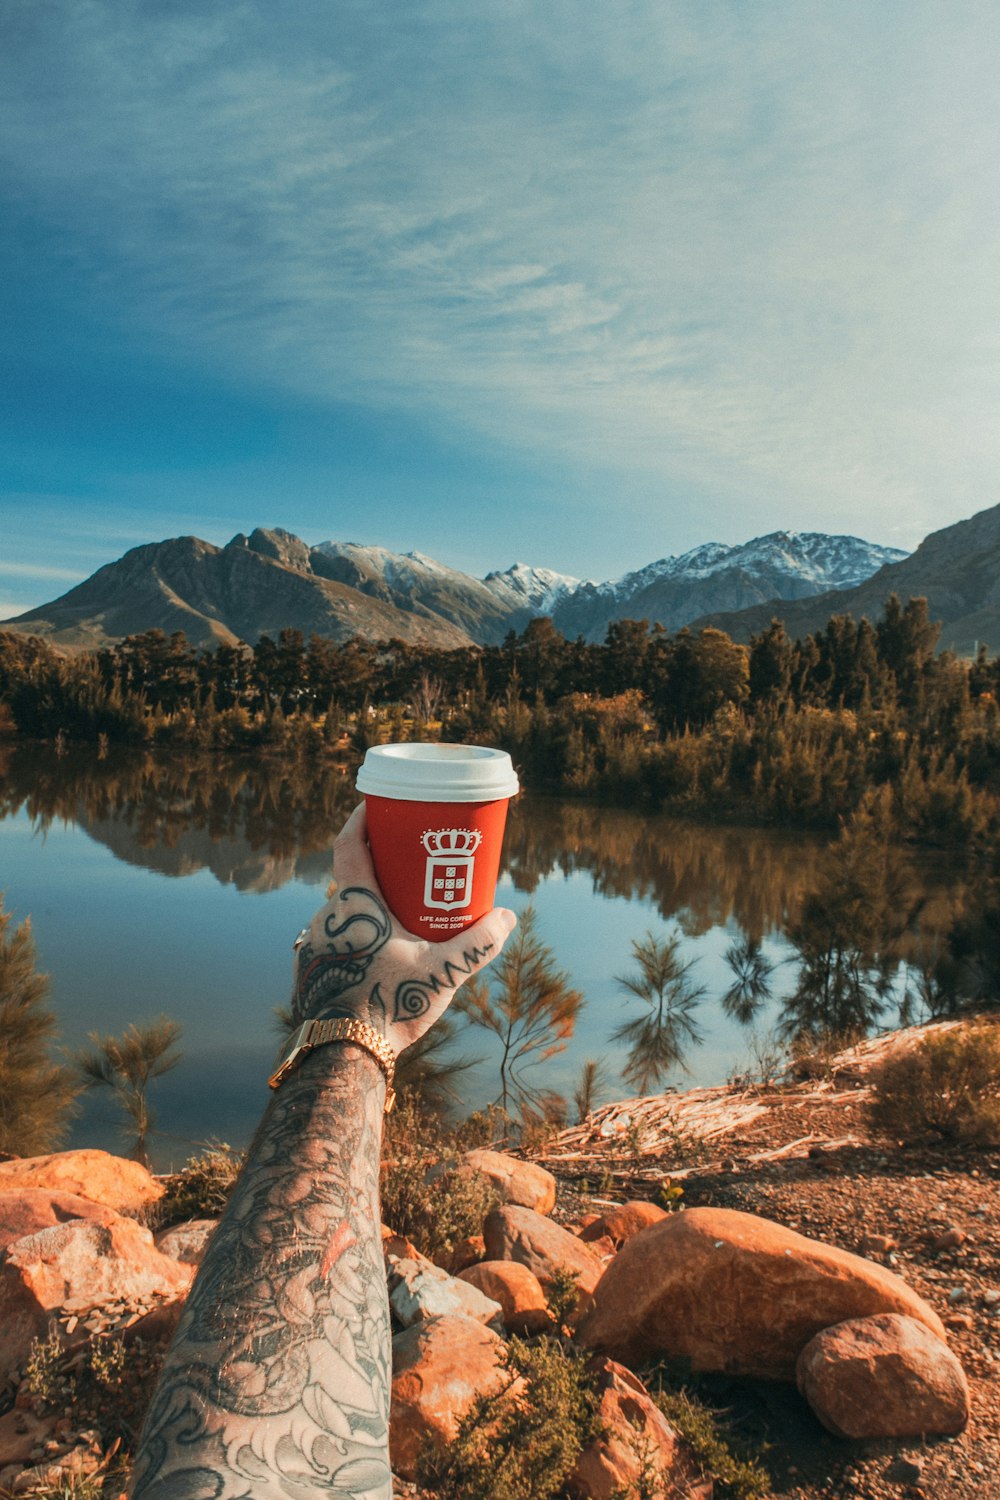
pixel 255 822
pixel 701 874
pixel 853 933
pixel 853 912
pixel 658 1037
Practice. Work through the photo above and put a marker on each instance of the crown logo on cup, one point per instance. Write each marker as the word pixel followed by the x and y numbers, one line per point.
pixel 443 841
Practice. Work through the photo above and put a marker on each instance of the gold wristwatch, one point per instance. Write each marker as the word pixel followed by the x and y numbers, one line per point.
pixel 317 1033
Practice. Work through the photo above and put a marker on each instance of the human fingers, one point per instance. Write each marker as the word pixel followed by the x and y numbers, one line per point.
pixel 352 861
pixel 478 945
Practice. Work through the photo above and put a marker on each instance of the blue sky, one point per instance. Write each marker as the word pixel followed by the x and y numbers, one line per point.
pixel 581 284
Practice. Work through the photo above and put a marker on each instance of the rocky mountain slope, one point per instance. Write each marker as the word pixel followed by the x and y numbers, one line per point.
pixel 252 587
pixel 783 565
pixel 260 583
pixel 956 569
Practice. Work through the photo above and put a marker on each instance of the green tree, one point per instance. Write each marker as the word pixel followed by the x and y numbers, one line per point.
pixel 907 637
pixel 36 1094
pixel 530 1006
pixel 770 665
pixel 657 1038
pixel 127 1065
pixel 706 671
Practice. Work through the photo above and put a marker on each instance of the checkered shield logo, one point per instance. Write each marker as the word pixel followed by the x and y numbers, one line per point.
pixel 450 866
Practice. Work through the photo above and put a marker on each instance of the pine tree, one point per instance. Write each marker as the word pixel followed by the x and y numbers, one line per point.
pixel 127 1064
pixel 530 1006
pixel 589 1086
pixel 36 1094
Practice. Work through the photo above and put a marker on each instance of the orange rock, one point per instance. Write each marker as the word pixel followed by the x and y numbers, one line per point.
pixel 518 1291
pixel 883 1377
pixel 439 1368
pixel 622 1222
pixel 515 1181
pixel 111 1180
pixel 78 1262
pixel 877 1244
pixel 29 1209
pixel 637 1442
pixel 466 1253
pixel 396 1245
pixel 515 1233
pixel 732 1292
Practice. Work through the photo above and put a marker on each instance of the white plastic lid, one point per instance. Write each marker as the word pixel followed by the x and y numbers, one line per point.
pixel 437 773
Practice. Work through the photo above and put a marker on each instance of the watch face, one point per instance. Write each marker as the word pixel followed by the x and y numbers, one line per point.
pixel 285 1060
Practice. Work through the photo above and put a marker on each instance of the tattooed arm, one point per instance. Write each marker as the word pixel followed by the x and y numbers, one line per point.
pixel 277 1382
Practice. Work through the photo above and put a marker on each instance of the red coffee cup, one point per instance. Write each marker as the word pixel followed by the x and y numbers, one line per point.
pixel 436 816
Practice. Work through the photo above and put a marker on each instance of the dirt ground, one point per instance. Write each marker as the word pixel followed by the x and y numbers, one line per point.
pixel 806 1160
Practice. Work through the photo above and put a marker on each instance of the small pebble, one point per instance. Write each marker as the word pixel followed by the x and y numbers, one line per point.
pixel 903 1470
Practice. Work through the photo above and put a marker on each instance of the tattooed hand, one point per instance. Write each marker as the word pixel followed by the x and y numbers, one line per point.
pixel 354 958
pixel 277 1384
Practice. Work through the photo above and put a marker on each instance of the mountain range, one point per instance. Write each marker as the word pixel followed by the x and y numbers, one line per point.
pixel 255 585
pixel 956 569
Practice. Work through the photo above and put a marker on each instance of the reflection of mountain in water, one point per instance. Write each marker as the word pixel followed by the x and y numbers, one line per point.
pixel 231 860
pixel 257 824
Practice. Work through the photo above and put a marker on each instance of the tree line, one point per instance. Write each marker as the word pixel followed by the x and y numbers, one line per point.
pixel 777 730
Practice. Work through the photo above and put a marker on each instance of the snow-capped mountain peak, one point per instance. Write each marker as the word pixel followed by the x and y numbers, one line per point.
pixel 523 586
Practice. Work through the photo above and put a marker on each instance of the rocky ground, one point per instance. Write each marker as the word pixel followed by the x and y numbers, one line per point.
pixel 800 1154
pixel 76 1262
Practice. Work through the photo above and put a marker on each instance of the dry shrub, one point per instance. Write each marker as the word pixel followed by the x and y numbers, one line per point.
pixel 704 1430
pixel 105 1385
pixel 520 1446
pixel 424 1197
pixel 203 1188
pixel 947 1088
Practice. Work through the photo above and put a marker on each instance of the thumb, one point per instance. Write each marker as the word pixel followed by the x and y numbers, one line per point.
pixel 479 944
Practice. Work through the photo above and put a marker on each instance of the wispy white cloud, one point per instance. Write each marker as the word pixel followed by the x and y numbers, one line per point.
pixel 31 570
pixel 747 250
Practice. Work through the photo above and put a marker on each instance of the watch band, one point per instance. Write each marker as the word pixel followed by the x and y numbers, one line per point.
pixel 313 1034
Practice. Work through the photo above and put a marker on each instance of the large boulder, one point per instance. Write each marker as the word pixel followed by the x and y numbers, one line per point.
pixel 419 1290
pixel 636 1446
pixel 883 1377
pixel 30 1209
pixel 732 1292
pixel 439 1369
pixel 515 1181
pixel 78 1265
pixel 515 1233
pixel 622 1222
pixel 119 1184
pixel 518 1291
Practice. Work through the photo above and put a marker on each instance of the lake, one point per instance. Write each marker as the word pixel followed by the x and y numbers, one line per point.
pixel 168 885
